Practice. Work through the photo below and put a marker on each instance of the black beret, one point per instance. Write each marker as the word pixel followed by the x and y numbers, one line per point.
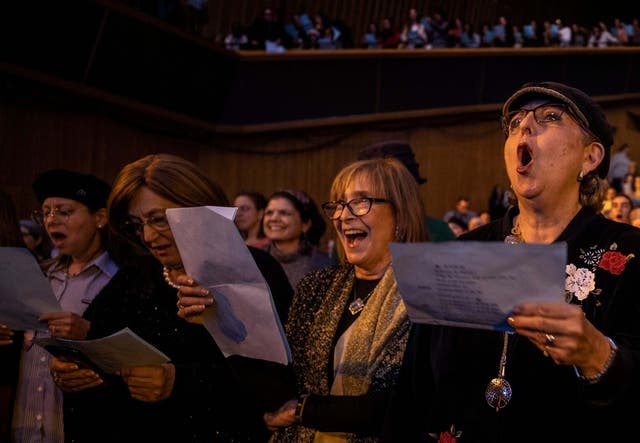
pixel 396 149
pixel 588 113
pixel 84 188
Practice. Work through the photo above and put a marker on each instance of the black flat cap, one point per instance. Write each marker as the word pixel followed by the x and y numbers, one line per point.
pixel 397 149
pixel 587 112
pixel 84 188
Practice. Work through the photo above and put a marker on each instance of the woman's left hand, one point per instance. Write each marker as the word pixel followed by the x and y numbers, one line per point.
pixel 67 325
pixel 193 299
pixel 149 383
pixel 562 332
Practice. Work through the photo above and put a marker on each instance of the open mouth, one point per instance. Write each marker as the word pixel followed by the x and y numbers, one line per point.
pixel 525 156
pixel 354 236
pixel 57 236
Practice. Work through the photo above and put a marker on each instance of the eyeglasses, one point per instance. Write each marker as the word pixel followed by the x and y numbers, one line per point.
pixel 61 214
pixel 358 206
pixel 543 114
pixel 135 227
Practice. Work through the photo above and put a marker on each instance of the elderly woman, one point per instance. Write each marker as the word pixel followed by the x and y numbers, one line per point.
pixel 347 325
pixel 200 396
pixel 294 227
pixel 571 370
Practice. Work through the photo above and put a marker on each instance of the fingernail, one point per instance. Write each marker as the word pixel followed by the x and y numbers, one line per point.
pixel 204 291
pixel 511 320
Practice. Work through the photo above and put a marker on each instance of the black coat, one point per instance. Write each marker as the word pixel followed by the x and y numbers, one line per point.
pixel 446 369
pixel 214 399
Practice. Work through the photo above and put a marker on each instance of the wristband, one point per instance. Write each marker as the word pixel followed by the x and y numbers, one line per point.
pixel 302 400
pixel 591 379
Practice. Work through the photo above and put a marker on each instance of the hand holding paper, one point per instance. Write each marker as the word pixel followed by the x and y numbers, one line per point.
pixel 476 284
pixel 244 320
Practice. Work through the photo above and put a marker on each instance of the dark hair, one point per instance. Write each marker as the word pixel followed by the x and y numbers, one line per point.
pixel 459 222
pixel 259 201
pixel 308 211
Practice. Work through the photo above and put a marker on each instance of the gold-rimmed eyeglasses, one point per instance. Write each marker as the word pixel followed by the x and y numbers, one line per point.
pixel 135 226
pixel 60 214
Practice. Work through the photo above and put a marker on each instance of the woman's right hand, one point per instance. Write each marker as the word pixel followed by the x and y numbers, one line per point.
pixel 193 299
pixel 70 378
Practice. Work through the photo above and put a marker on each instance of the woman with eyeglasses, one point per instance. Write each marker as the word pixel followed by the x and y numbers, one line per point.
pixel 294 227
pixel 348 326
pixel 73 212
pixel 571 369
pixel 199 396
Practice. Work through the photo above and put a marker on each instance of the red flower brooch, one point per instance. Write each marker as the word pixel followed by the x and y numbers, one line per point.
pixel 613 261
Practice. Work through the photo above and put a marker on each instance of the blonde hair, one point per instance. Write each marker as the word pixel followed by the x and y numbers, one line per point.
pixel 389 179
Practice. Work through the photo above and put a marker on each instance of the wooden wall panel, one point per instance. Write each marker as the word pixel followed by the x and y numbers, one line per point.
pixel 464 157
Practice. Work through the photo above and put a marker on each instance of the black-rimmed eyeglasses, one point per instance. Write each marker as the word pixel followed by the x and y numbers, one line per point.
pixel 542 114
pixel 359 207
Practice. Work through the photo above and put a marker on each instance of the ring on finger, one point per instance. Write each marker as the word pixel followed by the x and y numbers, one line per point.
pixel 550 339
pixel 180 305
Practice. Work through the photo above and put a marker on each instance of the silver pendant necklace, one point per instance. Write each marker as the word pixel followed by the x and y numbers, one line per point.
pixel 498 392
pixel 358 303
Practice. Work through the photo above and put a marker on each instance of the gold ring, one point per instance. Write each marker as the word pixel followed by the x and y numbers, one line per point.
pixel 550 339
pixel 180 305
pixel 546 351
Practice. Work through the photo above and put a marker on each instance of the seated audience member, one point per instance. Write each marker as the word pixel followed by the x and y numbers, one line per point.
pixel 294 227
pixel 348 325
pixel 37 240
pixel 476 222
pixel 199 396
pixel 634 217
pixel 609 195
pixel 462 211
pixel 251 206
pixel 621 206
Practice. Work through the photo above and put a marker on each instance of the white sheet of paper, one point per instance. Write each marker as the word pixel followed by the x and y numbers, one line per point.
pixel 245 321
pixel 24 291
pixel 475 284
pixel 118 350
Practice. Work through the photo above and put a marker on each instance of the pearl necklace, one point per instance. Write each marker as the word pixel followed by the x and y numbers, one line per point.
pixel 165 273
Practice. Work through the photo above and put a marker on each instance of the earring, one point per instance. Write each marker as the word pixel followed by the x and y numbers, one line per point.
pixel 580 176
pixel 397 234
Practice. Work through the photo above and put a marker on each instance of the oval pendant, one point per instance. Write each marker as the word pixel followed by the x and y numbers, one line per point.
pixel 498 393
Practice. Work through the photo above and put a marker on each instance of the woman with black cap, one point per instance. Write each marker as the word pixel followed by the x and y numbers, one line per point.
pixel 571 371
pixel 73 212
